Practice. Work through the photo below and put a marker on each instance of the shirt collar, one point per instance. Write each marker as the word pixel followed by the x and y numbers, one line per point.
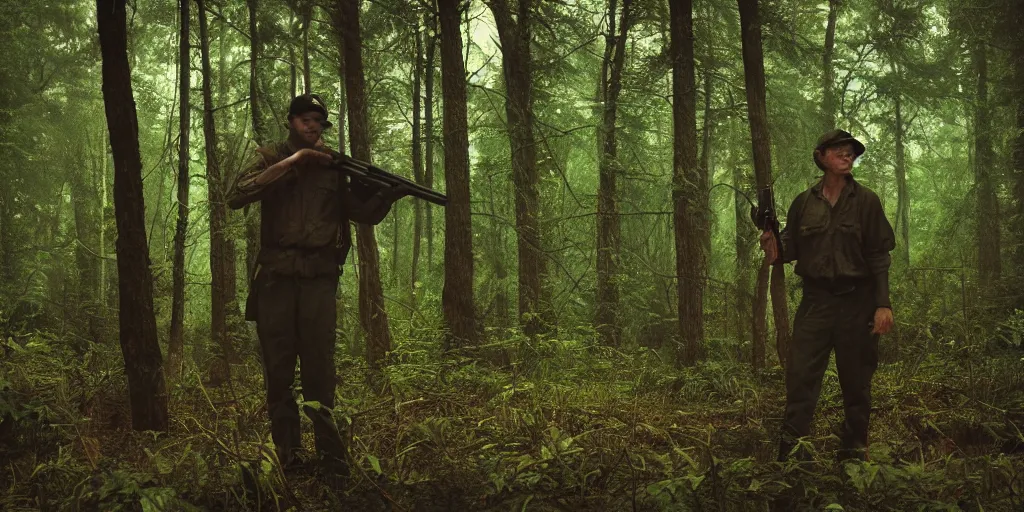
pixel 849 190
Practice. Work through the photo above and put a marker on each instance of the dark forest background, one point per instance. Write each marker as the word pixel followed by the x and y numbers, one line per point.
pixel 589 324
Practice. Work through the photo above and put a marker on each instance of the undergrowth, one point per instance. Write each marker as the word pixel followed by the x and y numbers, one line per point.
pixel 560 424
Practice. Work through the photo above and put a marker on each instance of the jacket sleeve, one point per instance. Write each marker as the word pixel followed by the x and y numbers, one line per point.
pixel 245 190
pixel 366 204
pixel 789 235
pixel 879 240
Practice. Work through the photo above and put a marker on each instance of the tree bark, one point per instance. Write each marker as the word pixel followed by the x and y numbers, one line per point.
pixel 252 211
pixel 417 168
pixel 457 295
pixel 744 241
pixel 307 18
pixel 517 63
pixel 1017 62
pixel 608 222
pixel 902 194
pixel 336 18
pixel 828 78
pixel 689 188
pixel 143 362
pixel 176 342
pixel 989 267
pixel 428 132
pixel 372 313
pixel 220 372
pixel 753 71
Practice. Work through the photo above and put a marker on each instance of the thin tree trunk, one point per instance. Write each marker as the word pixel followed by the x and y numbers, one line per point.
pixel 87 221
pixel 251 213
pixel 428 132
pixel 989 267
pixel 517 64
pixel 307 18
pixel 828 107
pixel 417 168
pixel 372 313
pixel 689 188
pixel 1017 62
pixel 143 362
pixel 457 295
pixel 743 243
pixel 221 370
pixel 902 195
pixel 753 70
pixel 346 229
pixel 608 222
pixel 291 53
pixel 176 342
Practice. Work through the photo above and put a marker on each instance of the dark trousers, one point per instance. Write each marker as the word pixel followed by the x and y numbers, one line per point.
pixel 831 319
pixel 296 318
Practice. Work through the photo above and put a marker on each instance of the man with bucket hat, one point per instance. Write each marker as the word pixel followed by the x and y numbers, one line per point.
pixel 306 205
pixel 840 238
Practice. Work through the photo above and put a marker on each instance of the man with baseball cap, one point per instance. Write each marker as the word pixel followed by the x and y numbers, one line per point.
pixel 306 206
pixel 840 238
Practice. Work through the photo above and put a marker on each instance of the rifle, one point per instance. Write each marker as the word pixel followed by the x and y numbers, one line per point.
pixel 764 216
pixel 369 174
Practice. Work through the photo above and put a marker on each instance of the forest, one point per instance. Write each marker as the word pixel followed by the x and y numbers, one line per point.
pixel 589 323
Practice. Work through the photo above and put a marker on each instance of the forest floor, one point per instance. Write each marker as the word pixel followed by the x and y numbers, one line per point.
pixel 565 425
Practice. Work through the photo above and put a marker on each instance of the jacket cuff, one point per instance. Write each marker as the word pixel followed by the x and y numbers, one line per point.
pixel 882 290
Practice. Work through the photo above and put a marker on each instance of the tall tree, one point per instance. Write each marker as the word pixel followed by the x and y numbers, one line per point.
pixel 753 71
pixel 176 342
pixel 430 21
pixel 608 222
pixel 259 133
pixel 517 62
pixel 1016 17
pixel 218 215
pixel 989 267
pixel 457 296
pixel 417 164
pixel 372 313
pixel 828 76
pixel 689 187
pixel 142 359
pixel 902 192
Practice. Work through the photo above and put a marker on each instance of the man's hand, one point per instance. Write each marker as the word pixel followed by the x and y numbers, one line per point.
pixel 770 248
pixel 307 156
pixel 883 321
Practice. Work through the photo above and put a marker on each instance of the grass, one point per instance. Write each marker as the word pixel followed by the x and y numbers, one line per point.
pixel 565 425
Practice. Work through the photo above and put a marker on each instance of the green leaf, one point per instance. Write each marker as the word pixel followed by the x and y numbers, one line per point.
pixel 835 506
pixel 374 463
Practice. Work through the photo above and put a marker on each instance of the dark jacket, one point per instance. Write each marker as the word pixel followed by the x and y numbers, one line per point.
pixel 849 242
pixel 305 214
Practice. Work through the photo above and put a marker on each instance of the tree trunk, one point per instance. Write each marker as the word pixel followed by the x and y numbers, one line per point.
pixel 608 225
pixel 744 241
pixel 689 188
pixel 753 70
pixel 251 212
pixel 143 362
pixel 984 159
pixel 220 372
pixel 1017 62
pixel 87 219
pixel 515 37
pixel 291 53
pixel 417 169
pixel 336 19
pixel 307 18
pixel 176 342
pixel 902 196
pixel 372 313
pixel 428 134
pixel 457 295
pixel 828 77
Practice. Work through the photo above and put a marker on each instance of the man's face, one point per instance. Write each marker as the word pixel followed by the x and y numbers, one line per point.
pixel 839 159
pixel 308 127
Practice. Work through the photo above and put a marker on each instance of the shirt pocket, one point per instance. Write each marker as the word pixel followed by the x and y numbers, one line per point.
pixel 850 231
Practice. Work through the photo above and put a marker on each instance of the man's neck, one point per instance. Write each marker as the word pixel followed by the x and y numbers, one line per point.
pixel 298 142
pixel 833 182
